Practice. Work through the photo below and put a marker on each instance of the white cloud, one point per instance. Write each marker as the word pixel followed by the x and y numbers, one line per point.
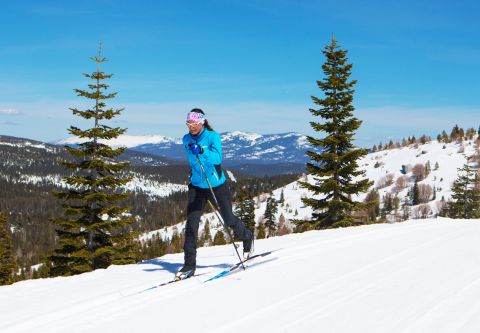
pixel 10 112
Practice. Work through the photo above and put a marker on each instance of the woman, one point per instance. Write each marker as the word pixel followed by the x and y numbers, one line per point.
pixel 203 142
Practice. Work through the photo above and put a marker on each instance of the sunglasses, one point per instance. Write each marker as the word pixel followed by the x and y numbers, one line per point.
pixel 192 124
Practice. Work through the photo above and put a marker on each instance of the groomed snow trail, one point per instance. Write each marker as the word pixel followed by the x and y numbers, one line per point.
pixel 415 276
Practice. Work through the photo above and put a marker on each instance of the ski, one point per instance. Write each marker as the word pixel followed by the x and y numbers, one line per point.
pixel 237 266
pixel 163 284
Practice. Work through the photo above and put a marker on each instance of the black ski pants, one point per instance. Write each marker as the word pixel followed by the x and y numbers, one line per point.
pixel 197 199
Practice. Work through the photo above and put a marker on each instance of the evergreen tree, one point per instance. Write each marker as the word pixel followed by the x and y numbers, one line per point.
pixel 206 238
pixel 405 210
pixel 245 209
pixel 455 133
pixel 415 194
pixel 335 165
pixel 372 201
pixel 428 168
pixel 396 203
pixel 261 231
pixel 7 261
pixel 269 215
pixel 387 203
pixel 219 238
pixel 94 233
pixel 282 198
pixel 445 137
pixel 466 195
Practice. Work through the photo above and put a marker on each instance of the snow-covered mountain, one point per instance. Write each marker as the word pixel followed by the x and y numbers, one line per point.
pixel 420 276
pixel 128 141
pixel 239 148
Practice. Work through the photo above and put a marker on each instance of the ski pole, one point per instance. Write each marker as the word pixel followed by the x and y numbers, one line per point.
pixel 217 211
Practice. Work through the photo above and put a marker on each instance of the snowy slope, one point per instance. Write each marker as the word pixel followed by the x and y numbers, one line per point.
pixel 417 276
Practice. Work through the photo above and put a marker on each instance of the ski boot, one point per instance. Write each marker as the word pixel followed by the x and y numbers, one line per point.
pixel 248 247
pixel 185 272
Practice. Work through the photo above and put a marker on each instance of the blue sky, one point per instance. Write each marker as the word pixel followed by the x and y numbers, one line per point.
pixel 251 65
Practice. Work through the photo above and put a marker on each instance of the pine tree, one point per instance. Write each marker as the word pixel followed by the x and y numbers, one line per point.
pixel 245 210
pixel 269 215
pixel 335 165
pixel 372 201
pixel 428 168
pixel 405 210
pixel 282 198
pixel 415 194
pixel 455 133
pixel 206 238
pixel 261 231
pixel 7 261
pixel 466 195
pixel 94 233
pixel 445 137
pixel 219 238
pixel 387 203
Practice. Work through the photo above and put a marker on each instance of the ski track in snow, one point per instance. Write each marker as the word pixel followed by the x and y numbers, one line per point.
pixel 416 276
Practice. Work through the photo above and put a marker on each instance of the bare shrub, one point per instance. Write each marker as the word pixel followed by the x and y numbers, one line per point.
pixel 425 191
pixel 401 183
pixel 360 216
pixel 440 206
pixel 475 158
pixel 385 181
pixel 421 211
pixel 461 150
pixel 418 172
pixel 283 228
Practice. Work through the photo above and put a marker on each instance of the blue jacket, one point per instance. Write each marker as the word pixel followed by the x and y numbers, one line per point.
pixel 211 158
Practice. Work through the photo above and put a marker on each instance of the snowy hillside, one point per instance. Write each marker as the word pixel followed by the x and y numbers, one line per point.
pixel 418 276
pixel 379 167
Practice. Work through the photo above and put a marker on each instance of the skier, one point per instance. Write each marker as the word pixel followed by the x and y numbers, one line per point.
pixel 203 142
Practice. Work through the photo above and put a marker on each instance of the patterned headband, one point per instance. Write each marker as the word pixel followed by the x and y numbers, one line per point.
pixel 196 117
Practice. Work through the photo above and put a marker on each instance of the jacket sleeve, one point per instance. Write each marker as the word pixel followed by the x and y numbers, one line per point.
pixel 213 153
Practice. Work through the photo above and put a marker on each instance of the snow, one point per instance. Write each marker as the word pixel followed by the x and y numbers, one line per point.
pixel 128 141
pixel 251 137
pixel 140 183
pixel 28 144
pixel 231 176
pixel 416 276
